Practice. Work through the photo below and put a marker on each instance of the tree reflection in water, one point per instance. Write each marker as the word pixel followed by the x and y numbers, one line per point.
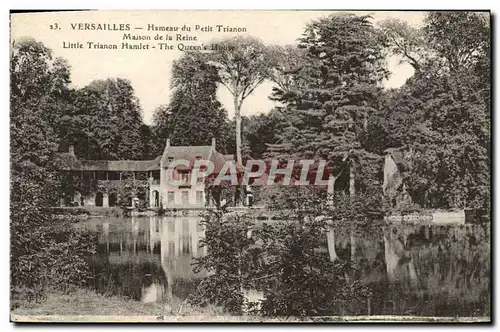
pixel 411 270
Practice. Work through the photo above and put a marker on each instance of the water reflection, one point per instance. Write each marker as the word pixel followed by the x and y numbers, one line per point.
pixel 419 270
pixel 147 259
pixel 411 270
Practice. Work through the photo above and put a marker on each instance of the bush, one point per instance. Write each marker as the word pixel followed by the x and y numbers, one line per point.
pixel 362 210
pixel 280 197
pixel 306 282
pixel 44 252
pixel 285 259
pixel 228 262
pixel 51 256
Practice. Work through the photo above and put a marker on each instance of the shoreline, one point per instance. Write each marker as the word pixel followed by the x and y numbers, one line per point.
pixel 84 305
pixel 82 302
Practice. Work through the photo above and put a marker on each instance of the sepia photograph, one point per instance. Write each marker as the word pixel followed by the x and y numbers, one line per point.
pixel 250 166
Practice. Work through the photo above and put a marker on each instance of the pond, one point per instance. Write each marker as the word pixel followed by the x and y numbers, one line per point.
pixel 411 270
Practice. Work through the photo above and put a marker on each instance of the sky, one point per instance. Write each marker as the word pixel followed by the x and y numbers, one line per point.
pixel 149 70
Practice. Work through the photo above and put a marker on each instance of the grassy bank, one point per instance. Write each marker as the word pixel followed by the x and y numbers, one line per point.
pixel 83 305
pixel 83 302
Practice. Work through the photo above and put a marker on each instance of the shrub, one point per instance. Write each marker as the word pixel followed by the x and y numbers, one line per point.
pixel 44 252
pixel 51 256
pixel 306 282
pixel 228 262
pixel 285 259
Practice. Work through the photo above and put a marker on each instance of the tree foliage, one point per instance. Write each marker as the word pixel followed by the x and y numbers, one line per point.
pixel 442 115
pixel 194 115
pixel 334 107
pixel 42 254
pixel 258 132
pixel 405 41
pixel 463 48
pixel 242 64
pixel 283 259
pixel 284 64
pixel 230 261
pixel 107 122
pixel 338 96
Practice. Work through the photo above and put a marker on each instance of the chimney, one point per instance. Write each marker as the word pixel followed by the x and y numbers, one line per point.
pixel 71 150
pixel 213 142
pixel 168 143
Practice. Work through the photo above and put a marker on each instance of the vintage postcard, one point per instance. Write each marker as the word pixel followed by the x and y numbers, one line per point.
pixel 250 166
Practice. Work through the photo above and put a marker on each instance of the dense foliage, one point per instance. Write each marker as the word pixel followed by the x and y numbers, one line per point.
pixel 230 264
pixel 286 259
pixel 194 107
pixel 332 105
pixel 44 252
pixel 442 115
pixel 337 96
pixel 107 123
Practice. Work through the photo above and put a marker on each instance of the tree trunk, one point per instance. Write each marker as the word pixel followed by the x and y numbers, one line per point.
pixel 352 189
pixel 353 247
pixel 330 189
pixel 170 285
pixel 237 114
pixel 330 240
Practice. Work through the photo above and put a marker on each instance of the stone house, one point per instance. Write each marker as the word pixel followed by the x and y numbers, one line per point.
pixel 186 194
pixel 145 180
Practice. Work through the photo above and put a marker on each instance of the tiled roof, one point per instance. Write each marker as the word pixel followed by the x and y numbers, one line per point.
pixel 69 162
pixel 177 152
pixel 218 159
pixel 190 153
pixel 398 157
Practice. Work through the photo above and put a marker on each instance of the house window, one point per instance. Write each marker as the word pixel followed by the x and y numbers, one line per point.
pixel 113 176
pixel 171 197
pixel 184 177
pixel 185 197
pixel 201 179
pixel 170 159
pixel 101 175
pixel 199 197
pixel 156 175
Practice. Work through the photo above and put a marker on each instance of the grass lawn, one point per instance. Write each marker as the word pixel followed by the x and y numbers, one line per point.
pixel 87 302
pixel 84 305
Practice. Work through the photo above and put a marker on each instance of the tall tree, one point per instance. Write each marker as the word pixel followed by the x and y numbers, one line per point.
pixel 242 65
pixel 40 255
pixel 107 121
pixel 405 41
pixel 284 64
pixel 462 48
pixel 345 65
pixel 442 115
pixel 194 115
pixel 39 78
pixel 37 82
